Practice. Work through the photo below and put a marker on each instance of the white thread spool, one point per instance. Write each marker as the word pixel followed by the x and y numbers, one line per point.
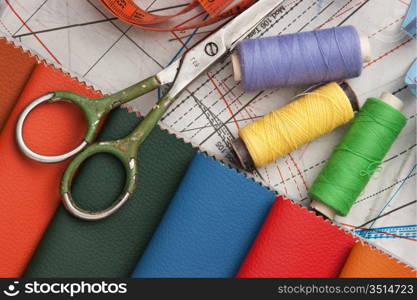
pixel 365 48
pixel 392 100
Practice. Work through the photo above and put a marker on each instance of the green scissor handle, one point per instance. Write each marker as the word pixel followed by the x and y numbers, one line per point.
pixel 129 163
pixel 125 150
pixel 94 110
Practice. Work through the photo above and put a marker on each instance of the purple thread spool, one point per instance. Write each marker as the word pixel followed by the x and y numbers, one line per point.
pixel 301 59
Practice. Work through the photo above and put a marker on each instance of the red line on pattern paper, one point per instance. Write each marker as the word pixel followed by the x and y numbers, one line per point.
pixel 387 53
pixel 224 100
pixel 34 34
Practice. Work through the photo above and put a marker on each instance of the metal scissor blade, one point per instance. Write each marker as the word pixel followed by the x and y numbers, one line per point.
pixel 238 28
pixel 167 75
pixel 226 38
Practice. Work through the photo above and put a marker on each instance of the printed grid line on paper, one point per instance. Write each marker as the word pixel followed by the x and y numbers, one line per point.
pixel 82 36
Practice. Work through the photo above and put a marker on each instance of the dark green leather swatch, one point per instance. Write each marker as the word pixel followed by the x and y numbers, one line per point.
pixel 111 247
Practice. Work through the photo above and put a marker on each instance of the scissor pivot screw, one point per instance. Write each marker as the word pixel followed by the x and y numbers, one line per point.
pixel 211 49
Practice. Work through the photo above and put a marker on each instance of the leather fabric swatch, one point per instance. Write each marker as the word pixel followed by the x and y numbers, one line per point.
pixel 30 190
pixel 15 68
pixel 294 242
pixel 365 261
pixel 209 225
pixel 111 247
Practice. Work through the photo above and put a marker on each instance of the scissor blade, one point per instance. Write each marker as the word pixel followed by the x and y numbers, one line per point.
pixel 229 35
pixel 238 28
pixel 167 75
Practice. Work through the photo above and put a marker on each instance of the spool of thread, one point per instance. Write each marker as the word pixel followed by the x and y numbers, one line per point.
pixel 303 58
pixel 279 132
pixel 357 156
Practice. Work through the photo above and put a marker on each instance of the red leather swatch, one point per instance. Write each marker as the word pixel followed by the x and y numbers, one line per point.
pixel 30 190
pixel 15 69
pixel 294 242
pixel 365 261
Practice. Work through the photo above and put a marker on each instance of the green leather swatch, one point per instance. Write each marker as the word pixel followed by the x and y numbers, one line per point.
pixel 111 247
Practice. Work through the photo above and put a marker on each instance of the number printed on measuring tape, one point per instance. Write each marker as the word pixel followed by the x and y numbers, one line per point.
pixel 214 7
pixel 129 12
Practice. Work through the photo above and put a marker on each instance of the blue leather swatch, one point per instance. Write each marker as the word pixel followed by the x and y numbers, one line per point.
pixel 209 225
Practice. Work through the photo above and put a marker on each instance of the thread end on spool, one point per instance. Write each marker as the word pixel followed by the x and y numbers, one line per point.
pixel 237 70
pixel 353 99
pixel 242 154
pixel 323 209
pixel 365 48
pixel 392 100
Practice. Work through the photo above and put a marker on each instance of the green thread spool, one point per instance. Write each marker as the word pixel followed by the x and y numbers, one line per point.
pixel 357 156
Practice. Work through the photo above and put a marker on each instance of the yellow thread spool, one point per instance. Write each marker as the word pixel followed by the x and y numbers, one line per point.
pixel 297 123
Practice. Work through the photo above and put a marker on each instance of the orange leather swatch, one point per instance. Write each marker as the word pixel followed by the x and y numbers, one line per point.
pixel 30 190
pixel 15 68
pixel 365 261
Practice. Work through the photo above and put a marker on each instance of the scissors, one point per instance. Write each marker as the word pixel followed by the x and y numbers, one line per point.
pixel 178 75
